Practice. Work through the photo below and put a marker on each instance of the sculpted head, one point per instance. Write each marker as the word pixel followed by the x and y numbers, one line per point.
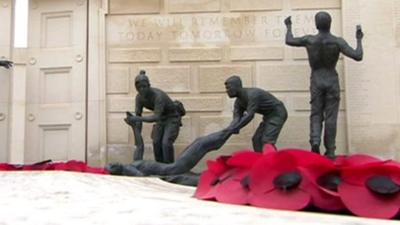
pixel 142 83
pixel 233 85
pixel 323 21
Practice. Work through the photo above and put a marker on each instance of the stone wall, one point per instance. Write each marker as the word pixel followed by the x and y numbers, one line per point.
pixel 373 86
pixel 189 48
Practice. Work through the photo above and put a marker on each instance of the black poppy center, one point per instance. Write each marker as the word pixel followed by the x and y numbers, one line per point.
pixel 287 180
pixel 215 181
pixel 383 185
pixel 245 182
pixel 330 180
pixel 219 180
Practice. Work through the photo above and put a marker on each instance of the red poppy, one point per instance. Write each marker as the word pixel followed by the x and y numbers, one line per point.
pixel 234 185
pixel 324 178
pixel 7 167
pixel 44 165
pixel 72 165
pixel 211 177
pixel 277 180
pixel 371 190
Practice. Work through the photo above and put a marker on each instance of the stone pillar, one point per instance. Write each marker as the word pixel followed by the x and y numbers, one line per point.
pixel 372 86
pixel 18 107
pixel 96 127
pixel 6 43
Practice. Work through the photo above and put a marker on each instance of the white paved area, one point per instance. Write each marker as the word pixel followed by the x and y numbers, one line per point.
pixel 56 197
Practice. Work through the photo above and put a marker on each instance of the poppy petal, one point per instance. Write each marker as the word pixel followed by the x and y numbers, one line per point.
pixel 360 159
pixel 262 175
pixel 321 198
pixel 244 159
pixel 59 166
pixel 325 200
pixel 339 160
pixel 218 166
pixel 295 199
pixel 205 188
pixel 74 165
pixel 304 157
pixel 281 160
pixel 7 167
pixel 313 172
pixel 360 201
pixel 358 175
pixel 231 191
pixel 396 175
pixel 268 148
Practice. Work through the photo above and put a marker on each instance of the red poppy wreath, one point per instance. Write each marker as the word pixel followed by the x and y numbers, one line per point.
pixel 297 179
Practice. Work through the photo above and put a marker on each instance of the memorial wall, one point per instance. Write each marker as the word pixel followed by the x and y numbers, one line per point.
pixel 373 86
pixel 189 48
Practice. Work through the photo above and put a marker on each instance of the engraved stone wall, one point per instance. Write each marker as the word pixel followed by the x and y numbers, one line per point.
pixel 189 48
pixel 373 85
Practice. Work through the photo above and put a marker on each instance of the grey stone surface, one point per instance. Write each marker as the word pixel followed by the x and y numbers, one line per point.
pixel 59 198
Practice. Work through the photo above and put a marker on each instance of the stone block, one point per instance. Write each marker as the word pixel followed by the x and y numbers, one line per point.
pixel 117 130
pixel 121 153
pixel 134 6
pixel 202 103
pixel 172 79
pixel 195 54
pixel 212 78
pixel 185 133
pixel 184 6
pixel 283 77
pixel 256 5
pixel 118 79
pixel 244 53
pixel 120 103
pixel 134 55
pixel 315 4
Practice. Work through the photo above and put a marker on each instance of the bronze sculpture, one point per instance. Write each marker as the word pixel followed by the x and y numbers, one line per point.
pixel 323 52
pixel 250 101
pixel 167 118
pixel 178 171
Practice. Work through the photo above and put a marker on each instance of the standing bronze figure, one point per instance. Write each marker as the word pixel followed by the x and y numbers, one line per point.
pixel 167 118
pixel 323 51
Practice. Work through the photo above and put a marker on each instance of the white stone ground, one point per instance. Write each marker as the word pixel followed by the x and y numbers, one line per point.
pixel 55 198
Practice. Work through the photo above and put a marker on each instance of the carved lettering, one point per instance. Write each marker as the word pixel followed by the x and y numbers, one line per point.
pixel 213 28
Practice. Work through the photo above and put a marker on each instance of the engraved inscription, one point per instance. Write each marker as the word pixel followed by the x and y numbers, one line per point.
pixel 206 28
